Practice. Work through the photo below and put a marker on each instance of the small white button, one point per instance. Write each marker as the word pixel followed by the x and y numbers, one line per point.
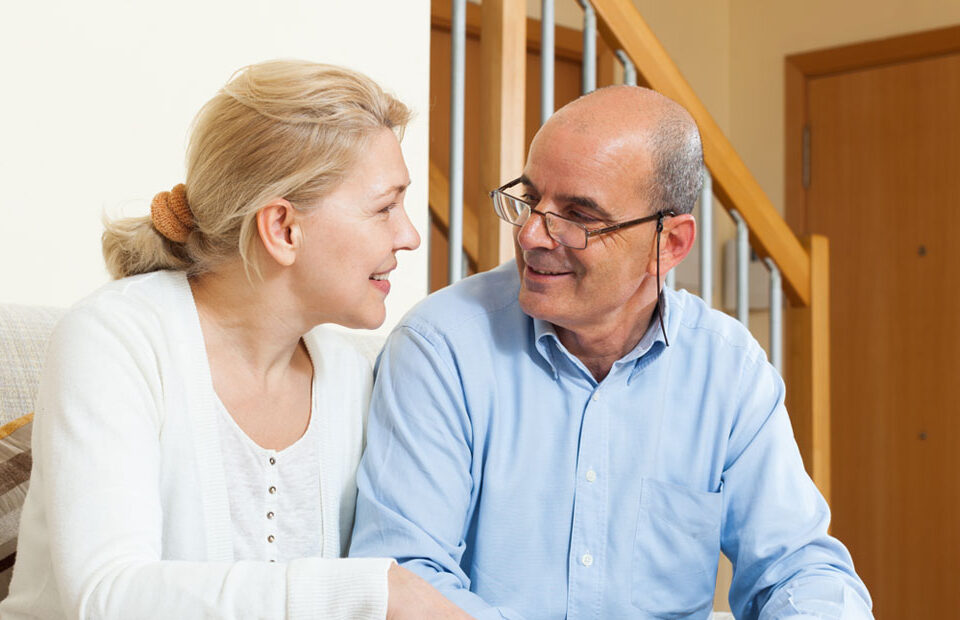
pixel 595 397
pixel 591 476
pixel 587 559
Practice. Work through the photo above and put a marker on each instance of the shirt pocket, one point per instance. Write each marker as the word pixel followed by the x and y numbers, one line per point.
pixel 676 550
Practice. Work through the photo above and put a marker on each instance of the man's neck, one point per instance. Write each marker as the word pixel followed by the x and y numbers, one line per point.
pixel 598 346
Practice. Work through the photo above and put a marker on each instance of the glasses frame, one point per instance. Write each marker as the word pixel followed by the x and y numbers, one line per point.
pixel 495 196
pixel 587 232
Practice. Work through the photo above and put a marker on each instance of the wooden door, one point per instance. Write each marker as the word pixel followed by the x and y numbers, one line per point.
pixel 884 185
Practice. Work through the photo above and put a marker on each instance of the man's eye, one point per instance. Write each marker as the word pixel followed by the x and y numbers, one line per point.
pixel 581 217
pixel 387 209
pixel 530 198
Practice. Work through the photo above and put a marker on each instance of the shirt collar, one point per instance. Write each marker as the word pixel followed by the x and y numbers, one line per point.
pixel 544 332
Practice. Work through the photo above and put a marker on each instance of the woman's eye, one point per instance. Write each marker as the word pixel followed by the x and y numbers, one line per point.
pixel 387 209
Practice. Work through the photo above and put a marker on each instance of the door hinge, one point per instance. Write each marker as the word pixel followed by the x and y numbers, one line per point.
pixel 805 173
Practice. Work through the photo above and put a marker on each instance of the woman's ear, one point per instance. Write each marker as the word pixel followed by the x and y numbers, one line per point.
pixel 278 225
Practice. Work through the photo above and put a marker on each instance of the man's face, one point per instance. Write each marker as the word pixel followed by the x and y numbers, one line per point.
pixel 596 181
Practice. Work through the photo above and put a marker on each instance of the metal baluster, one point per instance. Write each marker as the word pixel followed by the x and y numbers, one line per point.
pixel 589 71
pixel 743 269
pixel 629 70
pixel 546 61
pixel 706 238
pixel 458 35
pixel 776 315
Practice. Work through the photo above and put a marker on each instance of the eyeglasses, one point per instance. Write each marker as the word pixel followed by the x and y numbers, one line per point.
pixel 563 230
pixel 572 234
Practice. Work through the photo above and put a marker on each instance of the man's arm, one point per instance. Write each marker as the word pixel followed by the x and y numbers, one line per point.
pixel 775 519
pixel 416 484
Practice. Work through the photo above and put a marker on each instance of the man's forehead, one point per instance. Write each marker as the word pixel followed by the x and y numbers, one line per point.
pixel 587 170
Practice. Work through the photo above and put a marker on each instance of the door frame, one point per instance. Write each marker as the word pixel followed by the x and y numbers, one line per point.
pixel 799 69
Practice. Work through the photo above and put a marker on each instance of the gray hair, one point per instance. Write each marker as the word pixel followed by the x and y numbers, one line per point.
pixel 678 165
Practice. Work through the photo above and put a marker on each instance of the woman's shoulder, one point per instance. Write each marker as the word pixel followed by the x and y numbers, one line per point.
pixel 347 349
pixel 133 310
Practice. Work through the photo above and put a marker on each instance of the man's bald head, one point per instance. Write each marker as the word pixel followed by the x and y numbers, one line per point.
pixel 643 120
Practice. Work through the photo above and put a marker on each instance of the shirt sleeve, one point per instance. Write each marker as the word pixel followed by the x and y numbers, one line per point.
pixel 98 463
pixel 417 484
pixel 786 565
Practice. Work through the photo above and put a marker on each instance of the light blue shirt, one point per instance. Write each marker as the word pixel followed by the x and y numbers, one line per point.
pixel 499 470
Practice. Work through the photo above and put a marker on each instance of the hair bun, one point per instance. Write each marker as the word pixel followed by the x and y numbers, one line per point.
pixel 171 214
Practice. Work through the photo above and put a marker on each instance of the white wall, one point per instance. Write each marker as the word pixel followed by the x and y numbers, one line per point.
pixel 98 96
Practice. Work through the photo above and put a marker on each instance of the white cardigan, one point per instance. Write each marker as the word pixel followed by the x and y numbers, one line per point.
pixel 127 515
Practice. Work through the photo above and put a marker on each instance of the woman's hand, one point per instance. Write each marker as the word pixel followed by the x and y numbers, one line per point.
pixel 410 597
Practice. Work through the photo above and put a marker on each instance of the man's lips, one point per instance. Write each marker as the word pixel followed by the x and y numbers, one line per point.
pixel 545 272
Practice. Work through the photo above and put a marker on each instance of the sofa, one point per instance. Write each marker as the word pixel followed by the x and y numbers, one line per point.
pixel 24 331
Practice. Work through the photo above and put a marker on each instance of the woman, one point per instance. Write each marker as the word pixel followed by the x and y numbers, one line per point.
pixel 196 440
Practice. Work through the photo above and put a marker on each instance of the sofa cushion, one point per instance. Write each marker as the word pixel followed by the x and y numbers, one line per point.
pixel 24 331
pixel 15 462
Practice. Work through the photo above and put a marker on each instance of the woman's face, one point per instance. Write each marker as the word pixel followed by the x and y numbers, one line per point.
pixel 351 238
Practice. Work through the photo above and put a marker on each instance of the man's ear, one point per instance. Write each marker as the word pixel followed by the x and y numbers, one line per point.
pixel 676 241
pixel 278 225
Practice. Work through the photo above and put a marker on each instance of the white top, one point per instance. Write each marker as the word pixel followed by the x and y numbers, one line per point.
pixel 128 514
pixel 274 494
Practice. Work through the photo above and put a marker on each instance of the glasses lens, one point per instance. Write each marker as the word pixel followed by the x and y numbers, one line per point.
pixel 566 232
pixel 512 210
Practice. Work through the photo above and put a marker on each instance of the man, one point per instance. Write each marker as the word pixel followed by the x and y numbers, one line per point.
pixel 556 439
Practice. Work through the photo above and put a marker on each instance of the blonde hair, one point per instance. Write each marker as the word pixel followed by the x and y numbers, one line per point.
pixel 279 129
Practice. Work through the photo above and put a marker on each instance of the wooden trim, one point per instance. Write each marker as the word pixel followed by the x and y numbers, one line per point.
pixel 795 119
pixel 568 42
pixel 503 62
pixel 808 368
pixel 606 64
pixel 902 48
pixel 439 200
pixel 621 26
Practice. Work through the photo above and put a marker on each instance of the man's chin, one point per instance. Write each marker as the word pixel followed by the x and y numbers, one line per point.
pixel 537 304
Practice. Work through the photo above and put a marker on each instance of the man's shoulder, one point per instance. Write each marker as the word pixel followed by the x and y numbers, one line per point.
pixel 469 303
pixel 699 324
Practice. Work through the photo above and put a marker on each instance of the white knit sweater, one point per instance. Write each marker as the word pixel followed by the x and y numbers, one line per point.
pixel 128 516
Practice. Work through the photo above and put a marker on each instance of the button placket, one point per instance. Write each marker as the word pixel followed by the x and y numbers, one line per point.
pixel 271 505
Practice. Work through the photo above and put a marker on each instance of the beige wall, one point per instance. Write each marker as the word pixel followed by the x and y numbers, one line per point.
pixel 99 95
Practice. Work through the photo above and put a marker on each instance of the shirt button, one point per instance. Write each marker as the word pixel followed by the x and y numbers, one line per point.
pixel 587 559
pixel 273 490
pixel 270 515
pixel 270 538
pixel 591 476
pixel 595 397
pixel 273 461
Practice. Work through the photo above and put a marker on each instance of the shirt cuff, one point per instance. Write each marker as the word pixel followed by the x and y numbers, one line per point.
pixel 813 598
pixel 337 588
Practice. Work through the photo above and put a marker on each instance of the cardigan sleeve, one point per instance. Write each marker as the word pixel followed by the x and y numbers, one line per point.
pixel 97 466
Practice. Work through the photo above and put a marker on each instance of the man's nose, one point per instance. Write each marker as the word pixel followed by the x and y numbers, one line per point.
pixel 533 234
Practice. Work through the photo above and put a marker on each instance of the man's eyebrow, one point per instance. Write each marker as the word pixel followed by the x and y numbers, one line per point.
pixel 583 201
pixel 396 189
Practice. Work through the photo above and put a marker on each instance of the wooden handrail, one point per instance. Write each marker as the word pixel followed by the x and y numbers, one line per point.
pixel 622 27
pixel 439 199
